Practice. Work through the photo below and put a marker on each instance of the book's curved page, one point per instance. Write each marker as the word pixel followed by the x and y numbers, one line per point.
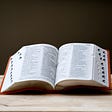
pixel 21 86
pixel 13 69
pixel 101 70
pixel 78 65
pixel 37 68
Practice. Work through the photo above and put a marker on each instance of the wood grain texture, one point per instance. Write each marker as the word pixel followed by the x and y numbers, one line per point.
pixel 56 102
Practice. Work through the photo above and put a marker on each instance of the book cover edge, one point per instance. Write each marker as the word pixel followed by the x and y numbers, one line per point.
pixel 4 75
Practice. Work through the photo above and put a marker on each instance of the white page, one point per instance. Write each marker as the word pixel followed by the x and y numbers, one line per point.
pixel 38 63
pixel 49 64
pixel 64 62
pixel 14 69
pixel 82 61
pixel 100 73
pixel 75 62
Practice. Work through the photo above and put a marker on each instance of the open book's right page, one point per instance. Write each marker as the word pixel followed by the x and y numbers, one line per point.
pixel 81 64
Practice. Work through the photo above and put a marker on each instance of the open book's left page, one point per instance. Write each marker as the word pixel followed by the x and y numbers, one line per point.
pixel 33 66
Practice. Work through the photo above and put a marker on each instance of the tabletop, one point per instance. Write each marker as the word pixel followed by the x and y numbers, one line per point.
pixel 56 102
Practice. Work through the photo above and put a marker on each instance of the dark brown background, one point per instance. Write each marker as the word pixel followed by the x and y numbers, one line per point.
pixel 53 21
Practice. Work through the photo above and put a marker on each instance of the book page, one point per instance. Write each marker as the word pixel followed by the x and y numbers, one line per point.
pixel 75 62
pixel 40 63
pixel 82 61
pixel 13 69
pixel 49 64
pixel 100 73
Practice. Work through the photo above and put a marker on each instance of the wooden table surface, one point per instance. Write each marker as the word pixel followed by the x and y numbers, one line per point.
pixel 56 102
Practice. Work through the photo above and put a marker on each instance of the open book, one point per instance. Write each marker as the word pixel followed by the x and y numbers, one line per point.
pixel 44 67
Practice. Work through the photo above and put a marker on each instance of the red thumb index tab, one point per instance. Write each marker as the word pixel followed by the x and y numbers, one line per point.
pixel 4 75
pixel 109 70
pixel 111 82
